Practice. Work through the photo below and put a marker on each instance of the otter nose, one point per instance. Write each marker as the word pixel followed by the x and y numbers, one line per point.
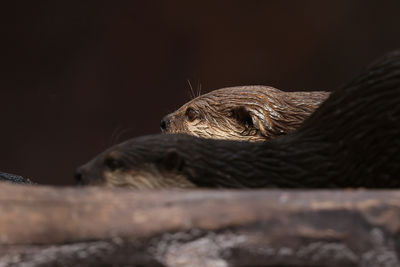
pixel 164 124
pixel 79 177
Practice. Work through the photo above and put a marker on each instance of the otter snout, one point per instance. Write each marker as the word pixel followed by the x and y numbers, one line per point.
pixel 82 176
pixel 165 123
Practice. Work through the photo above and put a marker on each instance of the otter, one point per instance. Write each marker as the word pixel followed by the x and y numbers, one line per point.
pixel 12 178
pixel 351 140
pixel 250 113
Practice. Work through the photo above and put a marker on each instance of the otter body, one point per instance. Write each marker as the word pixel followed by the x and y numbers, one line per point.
pixel 250 113
pixel 351 140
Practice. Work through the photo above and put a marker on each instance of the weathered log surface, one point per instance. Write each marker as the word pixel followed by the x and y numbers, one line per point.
pixel 47 226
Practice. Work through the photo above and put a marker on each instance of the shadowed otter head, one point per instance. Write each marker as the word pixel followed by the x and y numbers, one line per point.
pixel 171 161
pixel 251 113
pixel 132 164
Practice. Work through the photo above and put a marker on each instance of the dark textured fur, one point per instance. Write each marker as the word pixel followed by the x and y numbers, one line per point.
pixel 251 113
pixel 352 140
pixel 12 178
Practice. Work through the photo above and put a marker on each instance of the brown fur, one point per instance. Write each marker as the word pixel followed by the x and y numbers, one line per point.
pixel 251 113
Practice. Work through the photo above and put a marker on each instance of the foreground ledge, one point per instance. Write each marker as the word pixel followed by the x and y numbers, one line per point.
pixel 50 226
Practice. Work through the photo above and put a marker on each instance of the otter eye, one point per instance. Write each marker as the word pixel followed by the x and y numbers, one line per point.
pixel 113 164
pixel 191 114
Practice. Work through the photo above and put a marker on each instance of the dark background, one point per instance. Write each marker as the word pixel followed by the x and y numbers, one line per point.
pixel 79 76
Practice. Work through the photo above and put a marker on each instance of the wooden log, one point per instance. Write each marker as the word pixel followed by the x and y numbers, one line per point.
pixel 49 226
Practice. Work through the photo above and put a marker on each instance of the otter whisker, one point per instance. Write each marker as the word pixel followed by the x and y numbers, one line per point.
pixel 191 91
pixel 114 133
pixel 198 89
pixel 121 133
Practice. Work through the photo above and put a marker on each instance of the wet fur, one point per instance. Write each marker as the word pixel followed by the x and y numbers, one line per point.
pixel 352 140
pixel 251 113
pixel 15 179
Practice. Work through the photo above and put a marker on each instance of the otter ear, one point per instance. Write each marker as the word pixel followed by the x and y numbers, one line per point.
pixel 172 161
pixel 246 117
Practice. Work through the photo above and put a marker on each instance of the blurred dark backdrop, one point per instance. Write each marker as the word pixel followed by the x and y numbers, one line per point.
pixel 79 76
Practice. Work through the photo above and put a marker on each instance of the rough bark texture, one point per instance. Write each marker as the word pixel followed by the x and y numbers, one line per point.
pixel 47 226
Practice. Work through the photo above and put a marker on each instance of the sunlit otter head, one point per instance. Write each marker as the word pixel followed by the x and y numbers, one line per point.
pixel 250 113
